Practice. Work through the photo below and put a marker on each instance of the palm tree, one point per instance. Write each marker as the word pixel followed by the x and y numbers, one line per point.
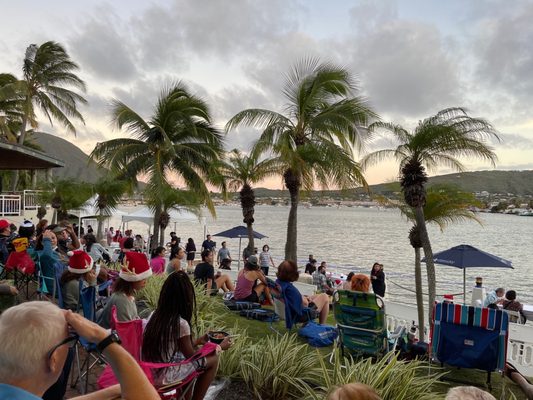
pixel 436 141
pixel 108 194
pixel 10 108
pixel 48 72
pixel 168 199
pixel 65 195
pixel 445 205
pixel 241 171
pixel 178 139
pixel 314 143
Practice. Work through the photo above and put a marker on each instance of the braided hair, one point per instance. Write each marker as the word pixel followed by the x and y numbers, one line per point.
pixel 162 333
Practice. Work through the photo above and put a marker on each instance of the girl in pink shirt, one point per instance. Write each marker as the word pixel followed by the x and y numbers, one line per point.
pixel 158 260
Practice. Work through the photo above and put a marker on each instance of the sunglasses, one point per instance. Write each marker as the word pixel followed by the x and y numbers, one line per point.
pixel 70 340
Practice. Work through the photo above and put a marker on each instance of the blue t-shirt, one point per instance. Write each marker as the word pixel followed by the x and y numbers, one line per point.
pixel 15 393
pixel 208 245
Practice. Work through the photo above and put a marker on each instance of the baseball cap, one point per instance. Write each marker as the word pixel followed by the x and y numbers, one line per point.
pixel 59 229
pixel 252 260
pixel 4 223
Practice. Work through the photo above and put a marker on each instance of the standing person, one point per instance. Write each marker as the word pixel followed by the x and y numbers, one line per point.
pixel 223 253
pixel 109 236
pixel 118 236
pixel 377 277
pixel 247 288
pixel 174 245
pixel 132 277
pixel 265 260
pixel 138 243
pixel 157 263
pixel 310 267
pixel 167 337
pixel 208 244
pixel 205 274
pixel 320 280
pixel 190 249
pixel 89 229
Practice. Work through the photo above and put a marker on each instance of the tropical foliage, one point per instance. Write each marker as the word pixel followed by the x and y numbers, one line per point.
pixel 65 195
pixel 314 143
pixel 240 172
pixel 108 192
pixel 439 140
pixel 178 140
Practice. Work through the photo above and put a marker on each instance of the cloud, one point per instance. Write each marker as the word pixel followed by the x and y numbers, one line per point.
pixel 102 46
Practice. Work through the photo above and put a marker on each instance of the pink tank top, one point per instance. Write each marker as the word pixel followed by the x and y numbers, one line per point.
pixel 243 288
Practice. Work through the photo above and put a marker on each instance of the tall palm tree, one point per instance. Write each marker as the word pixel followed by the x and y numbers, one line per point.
pixel 436 141
pixel 108 192
pixel 168 199
pixel 11 102
pixel 177 140
pixel 240 172
pixel 48 75
pixel 445 205
pixel 314 142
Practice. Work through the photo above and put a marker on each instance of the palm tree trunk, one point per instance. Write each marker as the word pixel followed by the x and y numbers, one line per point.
pixel 250 229
pixel 100 228
pixel 247 197
pixel 419 295
pixel 155 238
pixel 428 253
pixel 22 136
pixel 162 235
pixel 293 185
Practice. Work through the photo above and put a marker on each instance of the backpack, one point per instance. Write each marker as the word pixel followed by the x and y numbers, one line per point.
pixel 318 335
pixel 260 314
pixel 235 305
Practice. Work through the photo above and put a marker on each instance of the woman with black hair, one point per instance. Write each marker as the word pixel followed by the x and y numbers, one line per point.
pixel 94 249
pixel 190 249
pixel 167 336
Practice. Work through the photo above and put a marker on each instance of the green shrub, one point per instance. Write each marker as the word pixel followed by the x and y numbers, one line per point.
pixel 391 378
pixel 279 367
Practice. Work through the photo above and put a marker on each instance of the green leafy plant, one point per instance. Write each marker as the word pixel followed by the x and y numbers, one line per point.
pixel 280 367
pixel 391 378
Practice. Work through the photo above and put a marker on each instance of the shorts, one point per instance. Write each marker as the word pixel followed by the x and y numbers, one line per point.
pixel 265 270
pixel 310 313
pixel 252 297
pixel 190 256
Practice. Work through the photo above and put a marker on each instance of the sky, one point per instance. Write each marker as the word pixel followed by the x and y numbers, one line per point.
pixel 411 58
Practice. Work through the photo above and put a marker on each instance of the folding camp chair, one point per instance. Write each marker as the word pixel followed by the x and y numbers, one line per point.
pixel 470 337
pixel 131 335
pixel 361 323
pixel 279 298
pixel 49 272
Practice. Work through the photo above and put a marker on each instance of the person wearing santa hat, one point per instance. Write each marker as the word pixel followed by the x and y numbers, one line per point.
pixel 132 277
pixel 80 266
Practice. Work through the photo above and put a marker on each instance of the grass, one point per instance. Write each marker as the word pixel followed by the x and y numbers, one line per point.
pixel 256 330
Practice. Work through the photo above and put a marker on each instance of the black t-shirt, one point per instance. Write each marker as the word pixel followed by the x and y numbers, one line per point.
pixel 208 244
pixel 310 268
pixel 203 272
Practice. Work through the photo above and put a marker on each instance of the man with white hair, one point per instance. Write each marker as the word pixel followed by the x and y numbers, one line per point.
pixel 36 337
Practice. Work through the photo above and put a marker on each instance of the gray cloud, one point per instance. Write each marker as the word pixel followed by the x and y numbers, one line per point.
pixel 102 46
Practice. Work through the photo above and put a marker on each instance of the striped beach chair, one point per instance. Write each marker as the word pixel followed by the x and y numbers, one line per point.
pixel 470 337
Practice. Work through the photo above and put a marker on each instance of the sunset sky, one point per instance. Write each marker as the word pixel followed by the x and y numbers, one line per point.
pixel 411 58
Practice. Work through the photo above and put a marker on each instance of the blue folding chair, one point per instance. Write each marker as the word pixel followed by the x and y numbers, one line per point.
pixel 470 337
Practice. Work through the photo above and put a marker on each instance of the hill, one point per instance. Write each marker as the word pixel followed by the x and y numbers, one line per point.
pixel 77 164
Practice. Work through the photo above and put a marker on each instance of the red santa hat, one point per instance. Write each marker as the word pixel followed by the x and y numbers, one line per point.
pixel 135 267
pixel 79 262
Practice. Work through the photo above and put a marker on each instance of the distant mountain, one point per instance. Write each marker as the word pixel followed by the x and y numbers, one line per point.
pixel 77 165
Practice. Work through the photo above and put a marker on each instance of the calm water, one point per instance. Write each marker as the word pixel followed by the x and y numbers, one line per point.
pixel 352 239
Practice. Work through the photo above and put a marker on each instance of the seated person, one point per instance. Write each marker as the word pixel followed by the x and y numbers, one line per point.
pixel 320 280
pixel 510 303
pixel 247 288
pixel 32 355
pixel 494 297
pixel 360 283
pixel 347 285
pixel 205 273
pixel 80 266
pixel 178 263
pixel 294 301
pixel 167 337
pixel 132 277
pixel 158 261
pixel 355 391
pixel 226 264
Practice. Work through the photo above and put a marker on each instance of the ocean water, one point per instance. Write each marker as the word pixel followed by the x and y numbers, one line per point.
pixel 352 239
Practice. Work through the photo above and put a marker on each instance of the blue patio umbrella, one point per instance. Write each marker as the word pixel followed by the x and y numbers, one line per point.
pixel 239 232
pixel 465 256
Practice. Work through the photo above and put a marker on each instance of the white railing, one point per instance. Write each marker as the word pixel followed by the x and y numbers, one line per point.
pixel 30 199
pixel 9 205
pixel 519 346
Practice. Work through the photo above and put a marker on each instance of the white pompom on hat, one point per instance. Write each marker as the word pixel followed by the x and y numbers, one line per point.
pixel 135 267
pixel 79 262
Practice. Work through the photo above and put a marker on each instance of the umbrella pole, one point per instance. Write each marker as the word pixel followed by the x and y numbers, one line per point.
pixel 464 285
pixel 239 257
